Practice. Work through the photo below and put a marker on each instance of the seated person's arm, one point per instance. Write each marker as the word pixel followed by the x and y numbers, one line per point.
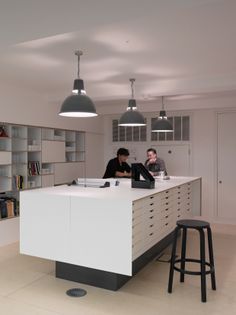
pixel 123 174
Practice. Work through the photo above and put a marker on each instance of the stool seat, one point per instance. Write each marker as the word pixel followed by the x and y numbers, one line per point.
pixel 194 224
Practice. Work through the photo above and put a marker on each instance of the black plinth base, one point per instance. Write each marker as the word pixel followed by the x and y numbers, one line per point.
pixel 109 280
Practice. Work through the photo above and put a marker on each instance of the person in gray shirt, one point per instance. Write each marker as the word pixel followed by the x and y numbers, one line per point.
pixel 153 163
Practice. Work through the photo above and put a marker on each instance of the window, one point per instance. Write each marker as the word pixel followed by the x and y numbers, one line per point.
pixel 120 133
pixel 181 126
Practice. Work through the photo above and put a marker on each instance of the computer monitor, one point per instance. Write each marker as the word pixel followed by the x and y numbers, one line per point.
pixel 138 169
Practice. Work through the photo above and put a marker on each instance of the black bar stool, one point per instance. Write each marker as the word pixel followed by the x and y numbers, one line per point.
pixel 199 226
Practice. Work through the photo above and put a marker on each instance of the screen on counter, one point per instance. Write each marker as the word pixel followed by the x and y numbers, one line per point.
pixel 138 169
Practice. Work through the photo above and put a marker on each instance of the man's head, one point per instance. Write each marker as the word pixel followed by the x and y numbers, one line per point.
pixel 123 154
pixel 151 154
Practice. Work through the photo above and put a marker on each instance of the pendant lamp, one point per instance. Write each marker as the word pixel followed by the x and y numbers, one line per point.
pixel 132 117
pixel 162 124
pixel 78 104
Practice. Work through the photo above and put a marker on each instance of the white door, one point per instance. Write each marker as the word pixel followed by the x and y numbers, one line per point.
pixel 226 165
pixel 176 157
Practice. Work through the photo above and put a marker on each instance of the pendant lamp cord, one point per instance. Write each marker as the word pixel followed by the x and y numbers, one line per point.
pixel 132 88
pixel 78 53
pixel 162 102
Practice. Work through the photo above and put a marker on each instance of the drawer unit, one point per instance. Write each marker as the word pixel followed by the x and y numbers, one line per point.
pixel 155 217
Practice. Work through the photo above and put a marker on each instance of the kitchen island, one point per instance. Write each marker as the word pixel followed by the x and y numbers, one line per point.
pixel 103 236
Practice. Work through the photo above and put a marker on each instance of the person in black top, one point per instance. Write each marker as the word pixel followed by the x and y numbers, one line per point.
pixel 118 167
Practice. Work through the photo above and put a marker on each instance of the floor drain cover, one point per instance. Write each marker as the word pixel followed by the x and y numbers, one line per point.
pixel 76 292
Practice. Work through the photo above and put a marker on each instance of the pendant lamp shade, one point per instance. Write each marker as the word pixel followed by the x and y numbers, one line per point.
pixel 132 117
pixel 78 104
pixel 162 124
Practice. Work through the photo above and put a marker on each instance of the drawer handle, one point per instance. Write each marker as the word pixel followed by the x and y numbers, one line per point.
pixel 151 197
pixel 166 209
pixel 151 210
pixel 151 225
pixel 166 216
pixel 178 203
pixel 151 204
pixel 151 217
pixel 178 209
pixel 150 234
pixel 166 224
pixel 178 197
pixel 167 197
pixel 167 203
pixel 166 191
pixel 178 215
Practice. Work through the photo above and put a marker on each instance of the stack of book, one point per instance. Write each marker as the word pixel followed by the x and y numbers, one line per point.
pixel 34 168
pixel 8 207
pixel 18 182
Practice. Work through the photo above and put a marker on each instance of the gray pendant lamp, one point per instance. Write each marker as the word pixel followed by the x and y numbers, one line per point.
pixel 132 117
pixel 162 124
pixel 78 104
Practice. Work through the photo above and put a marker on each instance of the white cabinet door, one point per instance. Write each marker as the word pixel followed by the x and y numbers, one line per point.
pixel 5 157
pixel 53 151
pixel 176 157
pixel 226 165
pixel 47 180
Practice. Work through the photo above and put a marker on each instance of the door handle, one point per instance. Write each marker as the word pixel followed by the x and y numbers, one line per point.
pixel 220 181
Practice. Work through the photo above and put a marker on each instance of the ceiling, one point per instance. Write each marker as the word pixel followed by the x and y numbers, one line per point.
pixel 176 48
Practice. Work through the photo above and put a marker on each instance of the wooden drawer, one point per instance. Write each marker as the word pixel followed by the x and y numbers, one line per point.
pixel 137 212
pixel 137 236
pixel 137 228
pixel 137 220
pixel 137 246
pixel 138 204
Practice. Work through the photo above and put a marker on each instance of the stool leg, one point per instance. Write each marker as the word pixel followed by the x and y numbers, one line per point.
pixel 183 254
pixel 203 265
pixel 172 262
pixel 211 258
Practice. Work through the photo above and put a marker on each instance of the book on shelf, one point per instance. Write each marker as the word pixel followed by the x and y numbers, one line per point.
pixel 33 168
pixel 8 207
pixel 18 182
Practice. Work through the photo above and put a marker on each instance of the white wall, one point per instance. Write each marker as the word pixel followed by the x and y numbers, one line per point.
pixel 204 157
pixel 23 106
pixel 203 146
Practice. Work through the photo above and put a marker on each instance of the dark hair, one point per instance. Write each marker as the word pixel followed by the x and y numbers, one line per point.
pixel 152 150
pixel 123 151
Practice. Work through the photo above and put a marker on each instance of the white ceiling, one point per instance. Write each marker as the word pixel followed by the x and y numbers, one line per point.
pixel 180 48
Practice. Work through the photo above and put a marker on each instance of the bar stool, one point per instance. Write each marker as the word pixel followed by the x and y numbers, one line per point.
pixel 200 226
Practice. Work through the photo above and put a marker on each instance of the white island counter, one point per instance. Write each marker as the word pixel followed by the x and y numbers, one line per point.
pixel 104 229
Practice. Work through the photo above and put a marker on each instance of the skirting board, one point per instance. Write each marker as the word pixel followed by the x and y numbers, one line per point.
pixel 109 280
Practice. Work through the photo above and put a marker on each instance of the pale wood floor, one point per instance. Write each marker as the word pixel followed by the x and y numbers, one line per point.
pixel 28 286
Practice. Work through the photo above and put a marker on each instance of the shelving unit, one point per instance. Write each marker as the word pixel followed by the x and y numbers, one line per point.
pixel 5 159
pixel 33 157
